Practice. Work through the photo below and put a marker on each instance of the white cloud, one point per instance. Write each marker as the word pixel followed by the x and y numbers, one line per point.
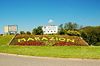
pixel 50 21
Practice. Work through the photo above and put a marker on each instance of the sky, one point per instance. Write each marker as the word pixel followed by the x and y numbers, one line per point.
pixel 28 14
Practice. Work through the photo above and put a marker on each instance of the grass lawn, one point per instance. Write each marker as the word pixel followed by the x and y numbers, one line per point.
pixel 4 40
pixel 51 51
pixel 88 52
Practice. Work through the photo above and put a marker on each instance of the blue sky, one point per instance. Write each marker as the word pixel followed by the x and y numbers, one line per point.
pixel 28 14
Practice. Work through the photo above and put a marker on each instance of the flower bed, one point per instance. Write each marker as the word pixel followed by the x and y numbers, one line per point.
pixel 31 43
pixel 64 44
pixel 48 40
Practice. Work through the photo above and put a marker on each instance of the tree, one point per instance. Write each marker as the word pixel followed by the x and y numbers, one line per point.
pixel 22 32
pixel 91 34
pixel 61 32
pixel 38 31
pixel 61 29
pixel 70 26
pixel 34 31
pixel 61 26
pixel 28 32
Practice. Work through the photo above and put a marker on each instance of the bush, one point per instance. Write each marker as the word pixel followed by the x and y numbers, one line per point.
pixel 29 33
pixel 22 32
pixel 73 33
pixel 91 34
pixel 1 34
pixel 97 44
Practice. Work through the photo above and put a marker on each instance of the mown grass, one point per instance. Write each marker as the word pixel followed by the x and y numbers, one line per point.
pixel 54 51
pixel 84 52
pixel 4 40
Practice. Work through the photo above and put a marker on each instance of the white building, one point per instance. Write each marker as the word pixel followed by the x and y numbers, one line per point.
pixel 50 29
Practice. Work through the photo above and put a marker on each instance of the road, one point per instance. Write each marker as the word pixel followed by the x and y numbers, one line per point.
pixel 15 60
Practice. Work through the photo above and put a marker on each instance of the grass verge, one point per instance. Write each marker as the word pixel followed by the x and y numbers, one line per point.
pixel 84 52
pixel 4 40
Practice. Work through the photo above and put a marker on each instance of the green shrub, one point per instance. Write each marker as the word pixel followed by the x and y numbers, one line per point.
pixel 97 44
pixel 73 33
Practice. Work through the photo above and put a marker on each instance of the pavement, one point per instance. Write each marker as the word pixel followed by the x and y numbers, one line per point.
pixel 20 60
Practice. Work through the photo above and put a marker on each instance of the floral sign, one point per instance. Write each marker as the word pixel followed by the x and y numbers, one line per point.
pixel 48 40
pixel 45 39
